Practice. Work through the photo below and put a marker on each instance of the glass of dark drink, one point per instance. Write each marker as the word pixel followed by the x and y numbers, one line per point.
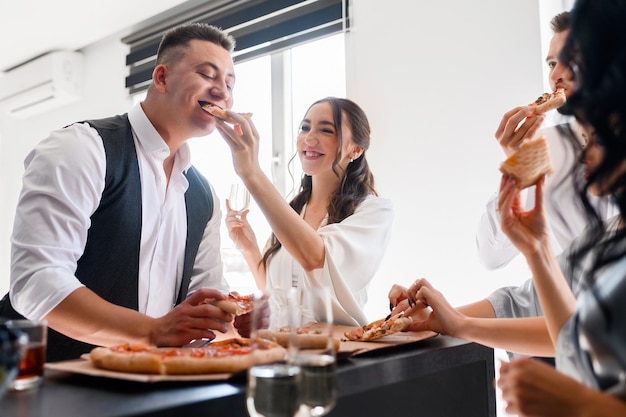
pixel 30 374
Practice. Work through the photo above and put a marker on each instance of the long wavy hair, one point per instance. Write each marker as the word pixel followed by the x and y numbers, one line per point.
pixel 595 51
pixel 356 183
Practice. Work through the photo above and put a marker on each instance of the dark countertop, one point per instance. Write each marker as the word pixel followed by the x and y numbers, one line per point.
pixel 442 376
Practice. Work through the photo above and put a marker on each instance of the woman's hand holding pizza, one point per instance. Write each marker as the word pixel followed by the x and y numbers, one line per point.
pixel 432 311
pixel 191 319
pixel 243 139
pixel 527 230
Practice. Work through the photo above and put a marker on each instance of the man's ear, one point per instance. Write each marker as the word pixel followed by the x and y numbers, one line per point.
pixel 158 77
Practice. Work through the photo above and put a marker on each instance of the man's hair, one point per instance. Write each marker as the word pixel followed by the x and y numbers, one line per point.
pixel 560 22
pixel 181 35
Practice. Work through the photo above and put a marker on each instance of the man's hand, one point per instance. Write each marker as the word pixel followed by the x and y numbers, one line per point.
pixel 517 125
pixel 192 319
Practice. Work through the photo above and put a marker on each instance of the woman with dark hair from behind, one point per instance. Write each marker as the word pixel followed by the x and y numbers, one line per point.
pixel 335 230
pixel 589 332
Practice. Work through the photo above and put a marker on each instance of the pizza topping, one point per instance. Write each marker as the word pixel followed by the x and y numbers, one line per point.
pixel 379 328
pixel 549 101
pixel 235 304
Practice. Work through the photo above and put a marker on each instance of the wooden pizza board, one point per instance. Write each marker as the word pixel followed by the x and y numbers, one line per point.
pixel 85 367
pixel 348 348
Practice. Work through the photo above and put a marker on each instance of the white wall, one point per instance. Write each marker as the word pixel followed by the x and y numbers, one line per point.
pixel 435 78
pixel 435 88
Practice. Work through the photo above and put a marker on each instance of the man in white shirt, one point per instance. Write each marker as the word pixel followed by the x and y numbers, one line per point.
pixel 116 235
pixel 563 210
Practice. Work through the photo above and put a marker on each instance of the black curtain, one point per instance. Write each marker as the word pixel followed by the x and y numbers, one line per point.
pixel 260 27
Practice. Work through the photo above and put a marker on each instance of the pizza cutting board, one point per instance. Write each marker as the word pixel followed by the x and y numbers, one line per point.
pixel 84 366
pixel 349 348
pixel 346 349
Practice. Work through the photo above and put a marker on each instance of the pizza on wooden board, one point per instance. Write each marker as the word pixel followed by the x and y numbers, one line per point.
pixel 224 356
pixel 379 328
pixel 308 337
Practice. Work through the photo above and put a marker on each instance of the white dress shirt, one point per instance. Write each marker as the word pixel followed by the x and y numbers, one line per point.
pixel 62 186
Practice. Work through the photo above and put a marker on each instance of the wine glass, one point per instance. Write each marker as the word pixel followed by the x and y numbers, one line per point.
pixel 272 389
pixel 311 308
pixel 239 198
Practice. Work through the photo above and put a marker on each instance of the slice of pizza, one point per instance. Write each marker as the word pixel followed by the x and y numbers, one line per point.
pixel 549 101
pixel 379 328
pixel 235 304
pixel 216 111
pixel 529 163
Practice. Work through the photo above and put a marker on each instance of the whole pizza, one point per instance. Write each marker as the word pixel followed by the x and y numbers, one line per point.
pixel 224 356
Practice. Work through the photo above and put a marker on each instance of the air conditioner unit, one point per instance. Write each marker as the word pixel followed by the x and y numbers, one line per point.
pixel 45 83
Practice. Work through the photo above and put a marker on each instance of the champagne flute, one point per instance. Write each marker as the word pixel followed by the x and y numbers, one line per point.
pixel 318 366
pixel 272 389
pixel 239 198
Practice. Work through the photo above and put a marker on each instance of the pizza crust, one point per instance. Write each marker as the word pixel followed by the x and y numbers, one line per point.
pixel 529 163
pixel 140 362
pixel 303 340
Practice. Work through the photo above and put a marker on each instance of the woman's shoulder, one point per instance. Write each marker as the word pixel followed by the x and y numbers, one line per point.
pixel 375 202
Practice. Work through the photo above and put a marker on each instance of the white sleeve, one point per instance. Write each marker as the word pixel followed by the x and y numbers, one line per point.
pixel 61 188
pixel 355 248
pixel 495 250
pixel 207 269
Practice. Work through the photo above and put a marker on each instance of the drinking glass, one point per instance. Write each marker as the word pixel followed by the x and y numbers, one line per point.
pixel 239 198
pixel 12 348
pixel 311 308
pixel 30 374
pixel 272 389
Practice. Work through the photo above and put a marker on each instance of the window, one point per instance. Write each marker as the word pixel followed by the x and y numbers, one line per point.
pixel 277 89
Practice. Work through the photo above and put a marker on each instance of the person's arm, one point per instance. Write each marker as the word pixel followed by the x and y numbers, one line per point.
pixel 521 335
pixel 529 232
pixel 297 237
pixel 494 248
pixel 533 388
pixel 85 316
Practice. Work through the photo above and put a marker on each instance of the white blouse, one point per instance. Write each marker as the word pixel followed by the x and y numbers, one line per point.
pixel 354 251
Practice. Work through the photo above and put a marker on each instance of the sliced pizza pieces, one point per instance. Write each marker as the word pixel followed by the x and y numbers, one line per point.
pixel 379 328
pixel 225 356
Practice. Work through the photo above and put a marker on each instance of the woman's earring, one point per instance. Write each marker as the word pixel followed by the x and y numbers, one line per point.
pixel 351 160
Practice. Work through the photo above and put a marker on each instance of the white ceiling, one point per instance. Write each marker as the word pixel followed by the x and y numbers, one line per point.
pixel 29 28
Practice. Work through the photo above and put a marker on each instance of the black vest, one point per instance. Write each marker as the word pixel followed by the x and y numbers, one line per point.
pixel 109 265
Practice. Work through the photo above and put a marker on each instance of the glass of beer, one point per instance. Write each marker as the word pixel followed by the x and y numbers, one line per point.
pixel 30 374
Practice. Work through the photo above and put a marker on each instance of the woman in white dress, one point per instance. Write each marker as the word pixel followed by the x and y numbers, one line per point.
pixel 335 231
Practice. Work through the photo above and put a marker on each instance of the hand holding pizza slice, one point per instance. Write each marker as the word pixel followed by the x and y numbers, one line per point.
pixel 235 304
pixel 549 101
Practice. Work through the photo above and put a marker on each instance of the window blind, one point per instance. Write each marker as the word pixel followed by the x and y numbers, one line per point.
pixel 260 27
